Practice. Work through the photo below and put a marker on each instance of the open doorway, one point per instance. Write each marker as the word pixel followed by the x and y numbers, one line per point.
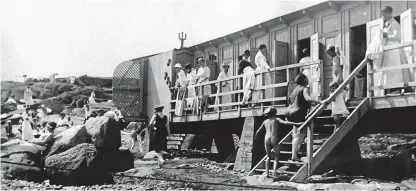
pixel 302 44
pixel 358 48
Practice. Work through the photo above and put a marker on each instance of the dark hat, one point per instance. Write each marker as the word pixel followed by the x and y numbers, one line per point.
pixel 333 85
pixel 159 108
pixel 188 66
pixel 387 9
pixel 262 46
pixel 247 52
pixel 305 51
pixel 101 110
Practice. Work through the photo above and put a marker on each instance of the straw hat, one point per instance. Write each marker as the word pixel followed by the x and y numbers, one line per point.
pixel 177 65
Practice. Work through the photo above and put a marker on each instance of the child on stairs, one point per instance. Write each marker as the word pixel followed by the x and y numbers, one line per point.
pixel 271 124
pixel 339 108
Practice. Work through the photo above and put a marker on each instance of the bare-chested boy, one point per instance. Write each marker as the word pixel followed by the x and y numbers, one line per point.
pixel 271 138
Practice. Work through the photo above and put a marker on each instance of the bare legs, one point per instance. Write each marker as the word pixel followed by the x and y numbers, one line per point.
pixel 296 142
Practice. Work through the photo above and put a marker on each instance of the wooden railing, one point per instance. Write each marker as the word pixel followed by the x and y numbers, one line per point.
pixel 371 71
pixel 280 77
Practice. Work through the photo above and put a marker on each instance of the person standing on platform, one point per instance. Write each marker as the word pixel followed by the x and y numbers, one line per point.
pixel 391 36
pixel 337 67
pixel 261 62
pixel 202 76
pixel 245 68
pixel 225 87
pixel 306 59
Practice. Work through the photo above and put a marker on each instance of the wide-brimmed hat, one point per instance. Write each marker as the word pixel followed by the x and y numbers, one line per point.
pixel 159 107
pixel 387 9
pixel 188 66
pixel 330 47
pixel 247 52
pixel 177 65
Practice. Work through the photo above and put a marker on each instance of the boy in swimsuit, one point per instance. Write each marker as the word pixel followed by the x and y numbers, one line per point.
pixel 271 138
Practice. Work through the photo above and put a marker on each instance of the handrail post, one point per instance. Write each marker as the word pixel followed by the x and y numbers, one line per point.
pixel 370 80
pixel 309 145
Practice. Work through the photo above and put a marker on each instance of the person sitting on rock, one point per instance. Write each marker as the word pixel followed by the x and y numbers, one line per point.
pixel 62 122
pixel 11 99
pixel 40 143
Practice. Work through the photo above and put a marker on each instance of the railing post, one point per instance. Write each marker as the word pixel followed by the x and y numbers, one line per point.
pixel 309 145
pixel 370 80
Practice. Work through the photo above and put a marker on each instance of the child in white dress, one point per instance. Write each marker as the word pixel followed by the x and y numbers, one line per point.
pixel 339 108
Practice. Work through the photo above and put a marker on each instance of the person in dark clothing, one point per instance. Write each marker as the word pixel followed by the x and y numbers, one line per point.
pixel 158 123
pixel 243 62
pixel 299 103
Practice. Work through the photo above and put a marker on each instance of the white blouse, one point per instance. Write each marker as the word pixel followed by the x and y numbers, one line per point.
pixel 261 61
pixel 203 74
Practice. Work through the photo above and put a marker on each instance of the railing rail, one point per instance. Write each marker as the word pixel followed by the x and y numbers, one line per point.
pixel 235 81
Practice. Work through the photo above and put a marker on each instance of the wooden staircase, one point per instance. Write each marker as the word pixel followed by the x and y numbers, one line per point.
pixel 320 140
pixel 175 141
pixel 323 141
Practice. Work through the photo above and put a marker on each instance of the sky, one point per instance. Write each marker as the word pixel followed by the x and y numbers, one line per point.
pixel 91 37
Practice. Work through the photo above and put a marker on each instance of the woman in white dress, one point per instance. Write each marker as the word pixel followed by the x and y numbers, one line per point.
pixel 91 100
pixel 261 62
pixel 203 75
pixel 339 108
pixel 225 87
pixel 28 97
pixel 27 131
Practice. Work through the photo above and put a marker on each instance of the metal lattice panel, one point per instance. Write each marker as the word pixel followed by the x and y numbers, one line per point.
pixel 126 88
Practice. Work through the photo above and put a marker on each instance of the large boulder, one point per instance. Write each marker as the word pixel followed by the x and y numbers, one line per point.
pixel 96 81
pixel 76 166
pixel 8 107
pixel 93 125
pixel 26 154
pixel 69 138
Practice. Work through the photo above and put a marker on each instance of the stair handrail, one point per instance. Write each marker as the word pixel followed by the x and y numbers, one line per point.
pixel 321 107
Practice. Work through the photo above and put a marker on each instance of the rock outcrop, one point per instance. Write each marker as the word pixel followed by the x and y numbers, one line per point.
pixel 76 166
pixel 69 139
pixel 26 154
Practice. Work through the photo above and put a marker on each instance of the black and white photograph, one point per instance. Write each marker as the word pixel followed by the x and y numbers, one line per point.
pixel 208 95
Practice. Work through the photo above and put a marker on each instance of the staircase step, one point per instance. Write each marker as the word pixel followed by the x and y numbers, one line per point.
pixel 176 147
pixel 289 162
pixel 280 172
pixel 174 143
pixel 170 138
pixel 315 143
pixel 290 152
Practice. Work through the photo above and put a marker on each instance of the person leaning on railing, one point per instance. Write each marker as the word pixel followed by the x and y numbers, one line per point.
pixel 202 76
pixel 299 104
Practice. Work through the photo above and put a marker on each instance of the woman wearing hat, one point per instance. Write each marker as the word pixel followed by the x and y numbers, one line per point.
pixel 225 87
pixel 158 123
pixel 181 76
pixel 337 68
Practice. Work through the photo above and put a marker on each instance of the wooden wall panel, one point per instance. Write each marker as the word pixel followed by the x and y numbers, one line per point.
pixel 263 39
pixel 331 23
pixel 359 15
pixel 283 35
pixel 157 88
pixel 305 30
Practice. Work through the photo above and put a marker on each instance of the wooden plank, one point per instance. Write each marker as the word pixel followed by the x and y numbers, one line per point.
pixel 330 144
pixel 394 101
pixel 413 65
pixel 396 85
pixel 406 26
pixel 227 93
pixel 397 46
pixel 283 84
pixel 309 147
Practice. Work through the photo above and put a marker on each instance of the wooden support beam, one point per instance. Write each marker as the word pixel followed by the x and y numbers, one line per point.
pixel 263 28
pixel 212 44
pixel 308 14
pixel 334 6
pixel 229 40
pixel 199 48
pixel 284 21
pixel 245 35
